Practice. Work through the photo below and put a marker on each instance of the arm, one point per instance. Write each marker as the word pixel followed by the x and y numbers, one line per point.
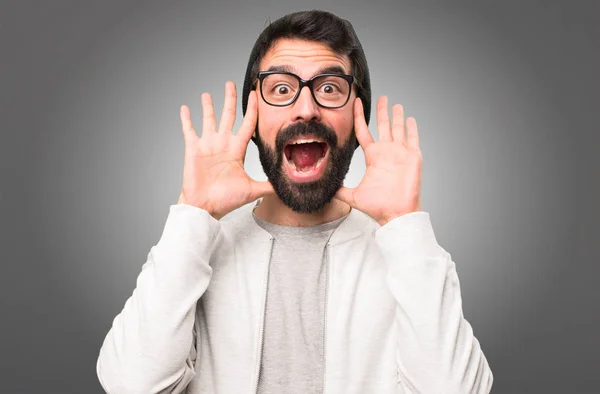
pixel 437 351
pixel 151 345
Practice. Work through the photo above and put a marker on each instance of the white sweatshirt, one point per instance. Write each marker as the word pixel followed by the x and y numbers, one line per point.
pixel 394 321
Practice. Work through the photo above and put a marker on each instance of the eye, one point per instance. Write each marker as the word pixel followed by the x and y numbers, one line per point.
pixel 329 88
pixel 281 89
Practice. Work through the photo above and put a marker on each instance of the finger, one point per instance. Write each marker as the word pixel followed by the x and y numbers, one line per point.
pixel 383 119
pixel 419 204
pixel 398 127
pixel 249 122
pixel 209 122
pixel 261 189
pixel 228 113
pixel 363 135
pixel 346 195
pixel 186 124
pixel 413 134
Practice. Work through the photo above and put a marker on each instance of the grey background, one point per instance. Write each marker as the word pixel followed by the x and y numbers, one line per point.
pixel 505 95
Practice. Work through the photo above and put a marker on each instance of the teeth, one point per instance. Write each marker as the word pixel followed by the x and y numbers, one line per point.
pixel 305 141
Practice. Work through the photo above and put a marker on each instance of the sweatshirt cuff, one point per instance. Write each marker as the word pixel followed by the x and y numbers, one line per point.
pixel 190 229
pixel 411 234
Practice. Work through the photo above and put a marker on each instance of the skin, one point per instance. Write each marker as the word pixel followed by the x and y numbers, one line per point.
pixel 214 178
pixel 305 58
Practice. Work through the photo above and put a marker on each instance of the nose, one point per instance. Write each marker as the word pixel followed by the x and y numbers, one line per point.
pixel 305 108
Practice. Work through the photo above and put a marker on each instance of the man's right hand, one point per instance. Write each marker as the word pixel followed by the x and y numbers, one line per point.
pixel 214 178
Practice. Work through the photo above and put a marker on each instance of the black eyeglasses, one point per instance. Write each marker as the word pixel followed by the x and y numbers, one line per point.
pixel 281 89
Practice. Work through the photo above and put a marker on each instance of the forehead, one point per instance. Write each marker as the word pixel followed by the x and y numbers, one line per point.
pixel 303 57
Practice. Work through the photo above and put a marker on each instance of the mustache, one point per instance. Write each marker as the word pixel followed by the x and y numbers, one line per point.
pixel 300 129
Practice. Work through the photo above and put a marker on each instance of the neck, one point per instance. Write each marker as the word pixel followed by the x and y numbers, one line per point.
pixel 271 209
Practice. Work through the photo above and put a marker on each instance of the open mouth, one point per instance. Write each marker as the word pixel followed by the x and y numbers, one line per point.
pixel 305 158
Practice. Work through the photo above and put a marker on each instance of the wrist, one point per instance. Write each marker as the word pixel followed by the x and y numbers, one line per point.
pixel 182 201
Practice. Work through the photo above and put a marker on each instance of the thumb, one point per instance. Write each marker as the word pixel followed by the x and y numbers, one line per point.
pixel 346 195
pixel 261 189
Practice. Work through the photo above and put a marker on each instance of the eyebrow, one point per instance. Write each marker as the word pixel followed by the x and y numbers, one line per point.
pixel 324 70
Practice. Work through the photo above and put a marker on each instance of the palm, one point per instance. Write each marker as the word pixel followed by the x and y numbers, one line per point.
pixel 391 184
pixel 214 177
pixel 374 191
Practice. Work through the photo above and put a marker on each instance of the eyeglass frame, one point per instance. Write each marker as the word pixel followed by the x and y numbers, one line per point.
pixel 302 83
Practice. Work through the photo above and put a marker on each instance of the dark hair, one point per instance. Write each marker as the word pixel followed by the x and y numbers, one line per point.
pixel 315 25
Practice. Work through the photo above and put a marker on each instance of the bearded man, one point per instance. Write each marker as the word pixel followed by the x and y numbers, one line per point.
pixel 297 284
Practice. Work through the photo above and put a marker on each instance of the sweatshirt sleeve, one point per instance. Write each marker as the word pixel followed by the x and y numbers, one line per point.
pixel 437 351
pixel 150 347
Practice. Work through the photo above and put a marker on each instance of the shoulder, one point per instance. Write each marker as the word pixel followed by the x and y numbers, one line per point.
pixel 356 225
pixel 240 222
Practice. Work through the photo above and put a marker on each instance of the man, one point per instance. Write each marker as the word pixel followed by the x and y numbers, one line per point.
pixel 297 284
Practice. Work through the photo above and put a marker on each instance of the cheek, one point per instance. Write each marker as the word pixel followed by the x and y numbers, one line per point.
pixel 348 121
pixel 269 122
pixel 348 114
pixel 345 122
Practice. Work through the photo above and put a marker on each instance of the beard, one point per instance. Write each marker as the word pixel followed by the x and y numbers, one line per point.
pixel 312 196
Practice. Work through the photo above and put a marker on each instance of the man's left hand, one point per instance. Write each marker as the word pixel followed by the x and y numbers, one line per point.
pixel 391 186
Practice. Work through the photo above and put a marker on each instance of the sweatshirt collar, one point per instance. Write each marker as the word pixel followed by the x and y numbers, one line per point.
pixel 355 225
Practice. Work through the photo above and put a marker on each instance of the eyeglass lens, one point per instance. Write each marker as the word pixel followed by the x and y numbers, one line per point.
pixel 281 89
